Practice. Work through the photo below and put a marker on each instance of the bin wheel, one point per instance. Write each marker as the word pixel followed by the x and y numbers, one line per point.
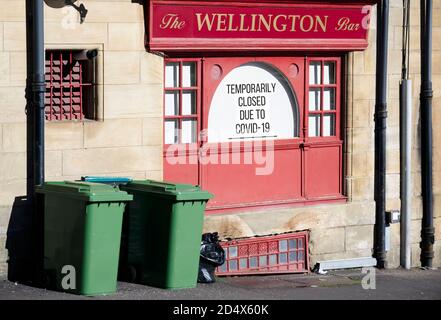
pixel 48 280
pixel 131 273
pixel 128 274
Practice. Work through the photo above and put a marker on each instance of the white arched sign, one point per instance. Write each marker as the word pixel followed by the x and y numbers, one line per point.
pixel 253 102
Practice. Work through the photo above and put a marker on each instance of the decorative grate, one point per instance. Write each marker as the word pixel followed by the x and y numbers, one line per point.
pixel 67 85
pixel 285 253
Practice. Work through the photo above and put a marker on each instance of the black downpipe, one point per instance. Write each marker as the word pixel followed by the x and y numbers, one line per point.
pixel 427 230
pixel 38 89
pixel 380 133
pixel 30 181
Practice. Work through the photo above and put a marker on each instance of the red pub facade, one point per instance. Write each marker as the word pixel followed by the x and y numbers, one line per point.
pixel 267 78
pixel 254 106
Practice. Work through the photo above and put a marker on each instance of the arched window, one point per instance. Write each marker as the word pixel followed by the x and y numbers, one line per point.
pixel 254 101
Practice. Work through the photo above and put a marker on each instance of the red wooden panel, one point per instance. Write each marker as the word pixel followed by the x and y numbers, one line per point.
pixel 239 185
pixel 181 174
pixel 185 172
pixel 323 171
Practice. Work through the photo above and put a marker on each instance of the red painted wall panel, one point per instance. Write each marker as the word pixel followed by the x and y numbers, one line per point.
pixel 323 171
pixel 238 185
pixel 182 173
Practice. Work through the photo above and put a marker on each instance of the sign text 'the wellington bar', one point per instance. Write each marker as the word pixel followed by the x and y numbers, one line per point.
pixel 258 22
pixel 204 25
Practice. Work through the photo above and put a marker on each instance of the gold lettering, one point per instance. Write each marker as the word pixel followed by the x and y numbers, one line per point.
pixel 323 24
pixel 205 21
pixel 230 24
pixel 171 21
pixel 345 24
pixel 221 21
pixel 282 25
pixel 293 19
pixel 253 22
pixel 267 23
pixel 242 20
pixel 342 23
pixel 302 23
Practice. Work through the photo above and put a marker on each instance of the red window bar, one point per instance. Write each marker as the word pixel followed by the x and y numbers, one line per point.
pixel 327 80
pixel 64 86
pixel 285 253
pixel 176 87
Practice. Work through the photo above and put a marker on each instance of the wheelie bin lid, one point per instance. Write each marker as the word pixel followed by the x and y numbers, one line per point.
pixel 178 191
pixel 107 180
pixel 87 191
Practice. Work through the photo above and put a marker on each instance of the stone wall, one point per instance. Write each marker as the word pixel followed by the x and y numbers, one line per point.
pixel 127 141
pixel 393 168
pixel 346 231
pixel 128 138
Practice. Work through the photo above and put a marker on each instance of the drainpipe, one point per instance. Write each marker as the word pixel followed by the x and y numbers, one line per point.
pixel 380 133
pixel 30 184
pixel 35 125
pixel 427 230
pixel 38 89
pixel 405 143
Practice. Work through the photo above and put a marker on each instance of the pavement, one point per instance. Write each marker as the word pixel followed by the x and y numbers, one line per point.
pixel 397 284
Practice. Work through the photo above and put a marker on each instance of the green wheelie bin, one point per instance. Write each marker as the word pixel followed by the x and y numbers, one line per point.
pixel 82 234
pixel 162 232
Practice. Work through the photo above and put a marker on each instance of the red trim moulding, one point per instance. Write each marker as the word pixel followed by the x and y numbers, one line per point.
pixel 287 204
pixel 264 26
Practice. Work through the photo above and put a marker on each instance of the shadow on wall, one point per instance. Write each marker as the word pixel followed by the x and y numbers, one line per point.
pixel 23 243
pixel 57 4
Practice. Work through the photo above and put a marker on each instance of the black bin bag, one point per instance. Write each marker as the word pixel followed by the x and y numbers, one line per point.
pixel 212 255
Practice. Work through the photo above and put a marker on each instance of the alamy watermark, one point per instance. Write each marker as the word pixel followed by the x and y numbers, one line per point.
pixel 68 282
pixel 369 280
pixel 257 153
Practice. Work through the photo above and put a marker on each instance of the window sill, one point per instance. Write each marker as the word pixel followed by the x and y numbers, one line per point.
pixel 71 121
pixel 286 204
